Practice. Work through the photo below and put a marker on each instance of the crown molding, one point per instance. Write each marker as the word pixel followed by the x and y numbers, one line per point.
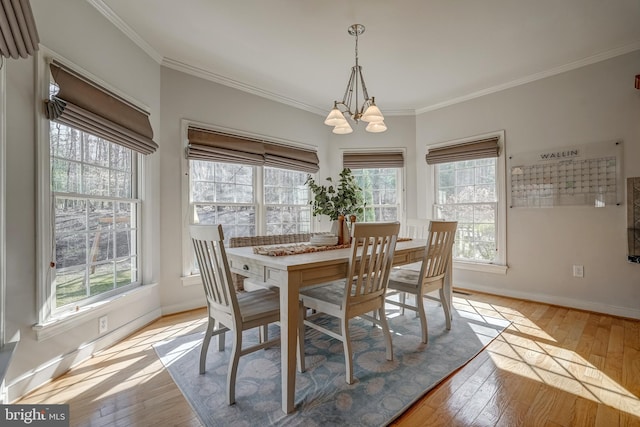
pixel 111 16
pixel 602 56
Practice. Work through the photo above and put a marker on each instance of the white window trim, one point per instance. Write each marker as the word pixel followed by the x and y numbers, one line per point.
pixel 499 266
pixel 47 316
pixel 3 202
pixel 189 279
pixel 403 174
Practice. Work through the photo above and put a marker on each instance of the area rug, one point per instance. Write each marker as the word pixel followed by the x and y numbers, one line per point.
pixel 382 391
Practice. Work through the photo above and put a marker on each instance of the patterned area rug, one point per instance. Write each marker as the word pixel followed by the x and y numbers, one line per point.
pixel 382 391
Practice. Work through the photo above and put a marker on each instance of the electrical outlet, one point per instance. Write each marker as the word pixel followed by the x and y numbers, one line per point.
pixel 578 271
pixel 103 325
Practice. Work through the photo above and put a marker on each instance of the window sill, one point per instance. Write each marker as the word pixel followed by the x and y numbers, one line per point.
pixel 191 280
pixel 68 320
pixel 480 267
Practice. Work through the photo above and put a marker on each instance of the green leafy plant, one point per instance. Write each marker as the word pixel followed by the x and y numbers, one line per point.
pixel 345 198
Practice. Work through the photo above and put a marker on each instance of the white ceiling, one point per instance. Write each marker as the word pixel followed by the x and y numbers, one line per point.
pixel 416 55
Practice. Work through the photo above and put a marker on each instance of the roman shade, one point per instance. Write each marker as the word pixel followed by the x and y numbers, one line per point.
pixel 205 144
pixel 86 106
pixel 18 34
pixel 479 149
pixel 375 159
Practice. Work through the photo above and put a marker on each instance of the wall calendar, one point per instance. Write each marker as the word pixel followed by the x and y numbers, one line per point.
pixel 588 175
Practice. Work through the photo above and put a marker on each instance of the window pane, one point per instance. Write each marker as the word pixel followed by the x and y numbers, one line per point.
pixel 65 176
pixel 101 278
pixel 286 197
pixel 96 150
pixel 70 285
pixel 381 190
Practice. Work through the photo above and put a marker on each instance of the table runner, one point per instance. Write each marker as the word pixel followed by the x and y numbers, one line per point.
pixel 302 248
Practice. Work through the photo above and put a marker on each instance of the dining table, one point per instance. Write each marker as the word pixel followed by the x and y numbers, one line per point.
pixel 290 273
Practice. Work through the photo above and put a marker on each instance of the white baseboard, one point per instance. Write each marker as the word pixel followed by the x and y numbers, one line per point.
pixel 56 367
pixel 184 306
pixel 555 300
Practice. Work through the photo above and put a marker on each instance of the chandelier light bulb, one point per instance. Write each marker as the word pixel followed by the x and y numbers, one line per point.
pixel 376 127
pixel 343 129
pixel 373 114
pixel 335 117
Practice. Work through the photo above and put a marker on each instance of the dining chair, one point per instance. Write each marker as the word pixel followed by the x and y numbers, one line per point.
pixel 415 228
pixel 231 311
pixel 362 292
pixel 429 278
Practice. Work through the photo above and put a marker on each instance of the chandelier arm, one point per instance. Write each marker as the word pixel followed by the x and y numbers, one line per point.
pixel 348 93
pixel 365 94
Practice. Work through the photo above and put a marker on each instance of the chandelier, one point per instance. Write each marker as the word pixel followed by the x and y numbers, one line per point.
pixel 367 112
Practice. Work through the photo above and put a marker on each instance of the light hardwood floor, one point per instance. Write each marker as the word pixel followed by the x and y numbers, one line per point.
pixel 552 367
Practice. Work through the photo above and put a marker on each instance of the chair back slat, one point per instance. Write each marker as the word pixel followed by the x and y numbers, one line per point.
pixel 415 228
pixel 438 248
pixel 373 247
pixel 208 244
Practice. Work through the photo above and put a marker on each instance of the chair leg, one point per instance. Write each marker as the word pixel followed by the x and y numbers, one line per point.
pixel 348 356
pixel 301 331
pixel 233 367
pixel 423 317
pixel 221 336
pixel 264 333
pixel 205 344
pixel 387 333
pixel 446 308
pixel 403 300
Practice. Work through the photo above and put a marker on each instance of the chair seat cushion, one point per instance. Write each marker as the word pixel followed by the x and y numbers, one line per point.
pixel 332 293
pixel 259 304
pixel 404 279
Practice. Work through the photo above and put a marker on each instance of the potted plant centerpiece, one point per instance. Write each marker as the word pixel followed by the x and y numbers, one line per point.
pixel 340 201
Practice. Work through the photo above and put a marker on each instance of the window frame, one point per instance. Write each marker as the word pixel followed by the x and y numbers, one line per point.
pixel 45 292
pixel 499 265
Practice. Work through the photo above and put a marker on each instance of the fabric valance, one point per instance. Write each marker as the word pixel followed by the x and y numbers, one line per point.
pixel 374 159
pixel 18 33
pixel 480 149
pixel 220 147
pixel 90 108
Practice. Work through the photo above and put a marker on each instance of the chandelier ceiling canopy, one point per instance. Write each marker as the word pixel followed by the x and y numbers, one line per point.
pixel 350 106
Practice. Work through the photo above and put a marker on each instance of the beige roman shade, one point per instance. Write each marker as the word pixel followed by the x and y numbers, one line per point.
pixel 374 159
pixel 480 149
pixel 215 146
pixel 18 34
pixel 92 109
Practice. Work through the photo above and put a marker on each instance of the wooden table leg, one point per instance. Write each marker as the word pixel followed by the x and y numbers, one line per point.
pixel 288 335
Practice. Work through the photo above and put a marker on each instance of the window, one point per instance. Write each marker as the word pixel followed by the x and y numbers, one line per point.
pixel 249 185
pixel 225 193
pixel 469 188
pixel 382 190
pixel 95 215
pixel 379 174
pixel 466 192
pixel 90 165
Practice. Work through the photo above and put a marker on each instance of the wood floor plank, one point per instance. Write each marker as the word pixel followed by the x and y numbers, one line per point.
pixel 552 366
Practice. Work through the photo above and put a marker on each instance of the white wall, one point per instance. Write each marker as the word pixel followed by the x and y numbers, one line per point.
pixel 76 31
pixel 593 104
